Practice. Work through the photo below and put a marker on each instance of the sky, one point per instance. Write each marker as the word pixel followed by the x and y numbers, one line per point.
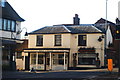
pixel 40 13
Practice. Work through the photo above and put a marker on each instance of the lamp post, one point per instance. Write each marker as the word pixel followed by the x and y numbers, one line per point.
pixel 105 51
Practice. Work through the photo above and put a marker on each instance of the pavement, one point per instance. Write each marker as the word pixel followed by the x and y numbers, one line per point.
pixel 90 74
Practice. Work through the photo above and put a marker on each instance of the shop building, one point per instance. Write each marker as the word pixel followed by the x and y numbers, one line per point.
pixel 61 47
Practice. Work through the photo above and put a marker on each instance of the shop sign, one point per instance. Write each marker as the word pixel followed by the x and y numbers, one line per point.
pixel 87 55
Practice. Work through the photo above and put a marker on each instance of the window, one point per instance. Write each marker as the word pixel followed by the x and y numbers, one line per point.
pixel 82 40
pixel 39 40
pixel 61 59
pixel 7 25
pixel 57 40
pixel 86 61
pixel 4 24
pixel 33 58
pixel 13 28
pixel 0 23
pixel 58 59
pixel 40 58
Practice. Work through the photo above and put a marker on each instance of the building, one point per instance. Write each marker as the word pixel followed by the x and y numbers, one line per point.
pixel 18 55
pixel 109 28
pixel 10 25
pixel 61 47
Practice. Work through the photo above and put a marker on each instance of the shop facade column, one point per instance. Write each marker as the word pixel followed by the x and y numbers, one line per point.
pixel 36 60
pixel 50 61
pixel 64 61
pixel 23 61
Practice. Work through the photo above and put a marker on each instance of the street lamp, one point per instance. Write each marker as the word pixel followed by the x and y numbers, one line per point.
pixel 19 31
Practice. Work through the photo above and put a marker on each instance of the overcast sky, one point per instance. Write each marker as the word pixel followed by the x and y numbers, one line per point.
pixel 40 13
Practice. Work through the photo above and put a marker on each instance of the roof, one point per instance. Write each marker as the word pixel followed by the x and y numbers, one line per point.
pixel 100 24
pixel 83 29
pixel 9 13
pixel 101 20
pixel 67 29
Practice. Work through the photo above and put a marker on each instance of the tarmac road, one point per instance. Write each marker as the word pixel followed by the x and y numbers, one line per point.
pixel 92 74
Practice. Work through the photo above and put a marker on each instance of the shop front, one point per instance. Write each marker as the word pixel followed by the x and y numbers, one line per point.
pixel 86 57
pixel 48 59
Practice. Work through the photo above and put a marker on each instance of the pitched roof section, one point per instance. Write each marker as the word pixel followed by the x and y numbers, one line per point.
pixel 9 13
pixel 51 30
pixel 67 29
pixel 83 29
pixel 100 24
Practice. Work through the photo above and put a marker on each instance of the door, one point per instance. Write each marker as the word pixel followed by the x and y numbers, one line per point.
pixel 27 62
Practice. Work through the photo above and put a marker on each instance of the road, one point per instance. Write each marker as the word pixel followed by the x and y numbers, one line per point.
pixel 91 74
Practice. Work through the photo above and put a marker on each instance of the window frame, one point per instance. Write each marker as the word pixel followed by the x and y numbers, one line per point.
pixel 1 23
pixel 8 27
pixel 58 40
pixel 38 40
pixel 82 40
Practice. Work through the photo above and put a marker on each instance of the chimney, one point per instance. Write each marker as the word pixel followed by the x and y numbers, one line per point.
pixel 117 21
pixel 76 20
pixel 2 3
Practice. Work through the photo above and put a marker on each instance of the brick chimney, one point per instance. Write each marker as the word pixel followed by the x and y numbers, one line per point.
pixel 76 20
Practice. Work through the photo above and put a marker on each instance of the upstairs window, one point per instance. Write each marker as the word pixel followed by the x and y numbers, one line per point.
pixel 39 40
pixel 4 24
pixel 13 28
pixel 0 23
pixel 57 40
pixel 7 25
pixel 82 40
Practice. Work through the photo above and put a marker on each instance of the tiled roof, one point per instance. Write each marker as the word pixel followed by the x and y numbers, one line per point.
pixel 51 29
pixel 9 13
pixel 67 29
pixel 83 29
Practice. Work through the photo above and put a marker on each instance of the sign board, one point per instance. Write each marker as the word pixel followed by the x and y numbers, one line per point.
pixel 110 65
pixel 86 55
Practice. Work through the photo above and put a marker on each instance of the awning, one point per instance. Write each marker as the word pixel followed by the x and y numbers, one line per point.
pixel 8 42
pixel 47 50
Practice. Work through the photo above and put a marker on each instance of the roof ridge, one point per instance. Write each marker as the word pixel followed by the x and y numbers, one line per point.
pixel 38 29
pixel 66 28
pixel 97 28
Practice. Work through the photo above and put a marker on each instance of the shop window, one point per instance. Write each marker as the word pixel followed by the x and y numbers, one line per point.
pixel 58 59
pixel 33 58
pixel 61 59
pixel 39 40
pixel 40 58
pixel 57 40
pixel 82 40
pixel 86 61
